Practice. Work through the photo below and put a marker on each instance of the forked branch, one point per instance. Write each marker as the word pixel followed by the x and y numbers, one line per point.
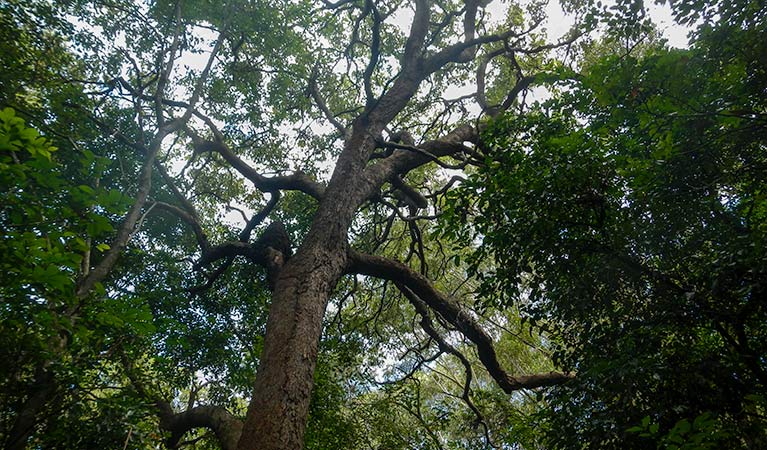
pixel 428 326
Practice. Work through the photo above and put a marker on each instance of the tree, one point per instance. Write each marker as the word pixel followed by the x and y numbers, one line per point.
pixel 187 141
pixel 353 138
pixel 625 216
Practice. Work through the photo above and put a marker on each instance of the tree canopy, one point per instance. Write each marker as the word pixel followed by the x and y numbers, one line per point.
pixel 371 224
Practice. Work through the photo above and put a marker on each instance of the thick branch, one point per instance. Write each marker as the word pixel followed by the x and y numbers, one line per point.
pixel 452 312
pixel 43 387
pixel 481 73
pixel 297 181
pixel 229 249
pixel 185 203
pixel 271 250
pixel 412 197
pixel 165 73
pixel 418 30
pixel 203 77
pixel 258 218
pixel 375 51
pixel 390 146
pixel 227 427
pixel 129 223
pixel 145 176
pixel 404 160
pixel 463 51
pixel 520 86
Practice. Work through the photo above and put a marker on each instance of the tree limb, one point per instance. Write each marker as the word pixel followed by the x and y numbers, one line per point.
pixel 227 427
pixel 191 220
pixel 297 181
pixel 427 325
pixel 126 230
pixel 375 51
pixel 402 161
pixel 449 310
pixel 320 102
pixel 271 250
pixel 224 424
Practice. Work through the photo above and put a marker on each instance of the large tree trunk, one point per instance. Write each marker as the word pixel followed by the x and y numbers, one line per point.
pixel 278 411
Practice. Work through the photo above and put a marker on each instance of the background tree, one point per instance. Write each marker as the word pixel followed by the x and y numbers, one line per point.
pixel 625 217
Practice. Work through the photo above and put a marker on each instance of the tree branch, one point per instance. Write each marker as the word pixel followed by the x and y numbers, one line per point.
pixel 320 102
pixel 297 181
pixel 165 73
pixel 127 228
pixel 481 73
pixel 427 325
pixel 258 218
pixel 404 160
pixel 226 426
pixel 191 220
pixel 418 30
pixel 375 52
pixel 449 310
pixel 271 250
pixel 203 77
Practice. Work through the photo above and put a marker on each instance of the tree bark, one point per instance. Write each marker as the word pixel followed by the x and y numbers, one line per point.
pixel 26 418
pixel 278 410
pixel 277 413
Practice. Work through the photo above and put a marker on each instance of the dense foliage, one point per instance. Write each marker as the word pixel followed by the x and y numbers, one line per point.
pixel 626 215
pixel 583 271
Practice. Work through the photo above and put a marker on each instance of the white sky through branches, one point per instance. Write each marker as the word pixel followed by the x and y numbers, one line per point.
pixel 556 26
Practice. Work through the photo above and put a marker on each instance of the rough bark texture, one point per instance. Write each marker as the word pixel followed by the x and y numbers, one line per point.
pixel 276 416
pixel 277 413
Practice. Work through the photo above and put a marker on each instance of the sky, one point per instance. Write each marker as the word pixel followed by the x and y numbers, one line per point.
pixel 557 24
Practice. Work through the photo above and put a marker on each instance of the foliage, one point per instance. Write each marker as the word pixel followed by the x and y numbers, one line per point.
pixel 48 222
pixel 703 433
pixel 616 230
pixel 626 216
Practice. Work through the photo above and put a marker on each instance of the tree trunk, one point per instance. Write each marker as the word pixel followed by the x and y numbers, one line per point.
pixel 41 392
pixel 278 411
